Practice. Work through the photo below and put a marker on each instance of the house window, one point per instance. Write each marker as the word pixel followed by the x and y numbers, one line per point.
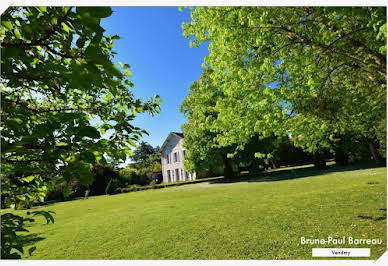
pixel 168 159
pixel 177 174
pixel 176 157
pixel 184 153
pixel 168 176
pixel 182 175
pixel 187 175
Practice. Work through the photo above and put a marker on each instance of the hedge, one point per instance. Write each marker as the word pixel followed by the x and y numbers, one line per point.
pixel 163 185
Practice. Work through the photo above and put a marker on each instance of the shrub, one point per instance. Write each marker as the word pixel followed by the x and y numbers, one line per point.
pixel 318 161
pixel 153 184
pixel 56 193
pixel 131 176
pixel 103 175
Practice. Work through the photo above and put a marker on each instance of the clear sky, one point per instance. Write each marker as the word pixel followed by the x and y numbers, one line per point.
pixel 161 62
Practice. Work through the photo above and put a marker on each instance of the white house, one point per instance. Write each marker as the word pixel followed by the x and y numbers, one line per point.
pixel 173 156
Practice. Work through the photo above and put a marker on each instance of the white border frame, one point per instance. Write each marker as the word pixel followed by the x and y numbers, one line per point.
pixel 4 4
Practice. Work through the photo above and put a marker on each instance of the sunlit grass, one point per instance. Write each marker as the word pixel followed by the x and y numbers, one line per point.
pixel 249 219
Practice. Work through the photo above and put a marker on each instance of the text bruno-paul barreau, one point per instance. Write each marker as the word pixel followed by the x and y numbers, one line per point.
pixel 348 240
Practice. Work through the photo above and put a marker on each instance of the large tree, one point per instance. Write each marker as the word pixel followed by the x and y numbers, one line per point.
pixel 60 90
pixel 203 151
pixel 311 72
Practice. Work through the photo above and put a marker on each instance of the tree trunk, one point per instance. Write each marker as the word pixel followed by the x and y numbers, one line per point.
pixel 273 164
pixel 228 172
pixel 374 149
pixel 319 162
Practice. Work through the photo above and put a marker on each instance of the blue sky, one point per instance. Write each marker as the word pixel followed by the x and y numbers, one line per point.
pixel 161 61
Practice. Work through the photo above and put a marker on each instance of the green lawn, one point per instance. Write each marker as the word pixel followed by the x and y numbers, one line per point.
pixel 258 218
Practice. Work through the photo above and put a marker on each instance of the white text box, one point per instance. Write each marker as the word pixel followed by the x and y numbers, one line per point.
pixel 341 252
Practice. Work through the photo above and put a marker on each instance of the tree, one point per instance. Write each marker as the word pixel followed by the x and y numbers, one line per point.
pixel 142 152
pixel 204 152
pixel 309 72
pixel 58 76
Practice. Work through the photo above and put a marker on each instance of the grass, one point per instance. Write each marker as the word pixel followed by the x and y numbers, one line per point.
pixel 248 218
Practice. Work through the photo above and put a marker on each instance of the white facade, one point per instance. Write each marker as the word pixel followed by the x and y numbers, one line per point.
pixel 173 156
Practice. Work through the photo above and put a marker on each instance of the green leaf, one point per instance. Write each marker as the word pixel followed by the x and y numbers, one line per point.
pixel 90 132
pixel 65 27
pixel 21 197
pixel 129 83
pixel 88 157
pixel 101 12
pixel 7 24
pixel 42 8
pixel 108 186
pixel 17 34
pixel 61 144
pixel 66 190
pixel 30 250
pixel 128 73
pixel 28 179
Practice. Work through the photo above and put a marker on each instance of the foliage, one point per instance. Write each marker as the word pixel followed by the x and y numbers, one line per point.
pixel 309 72
pixel 22 192
pixel 153 184
pixel 203 152
pixel 133 176
pixel 349 148
pixel 11 227
pixel 142 152
pixel 151 163
pixel 57 74
pixel 66 191
pixel 154 162
pixel 103 177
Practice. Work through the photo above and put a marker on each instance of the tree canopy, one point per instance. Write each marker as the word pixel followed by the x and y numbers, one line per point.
pixel 143 151
pixel 314 73
pixel 61 91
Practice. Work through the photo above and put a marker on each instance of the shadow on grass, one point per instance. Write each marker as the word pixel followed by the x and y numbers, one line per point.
pixel 279 174
pixel 30 239
pixel 380 218
pixel 51 202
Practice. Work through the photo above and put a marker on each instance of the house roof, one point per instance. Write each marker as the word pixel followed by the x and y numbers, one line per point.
pixel 179 134
pixel 169 137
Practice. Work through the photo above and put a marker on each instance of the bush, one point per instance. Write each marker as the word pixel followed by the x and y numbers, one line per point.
pixel 153 184
pixel 103 175
pixel 56 193
pixel 319 161
pixel 131 176
pixel 77 190
pixel 341 157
